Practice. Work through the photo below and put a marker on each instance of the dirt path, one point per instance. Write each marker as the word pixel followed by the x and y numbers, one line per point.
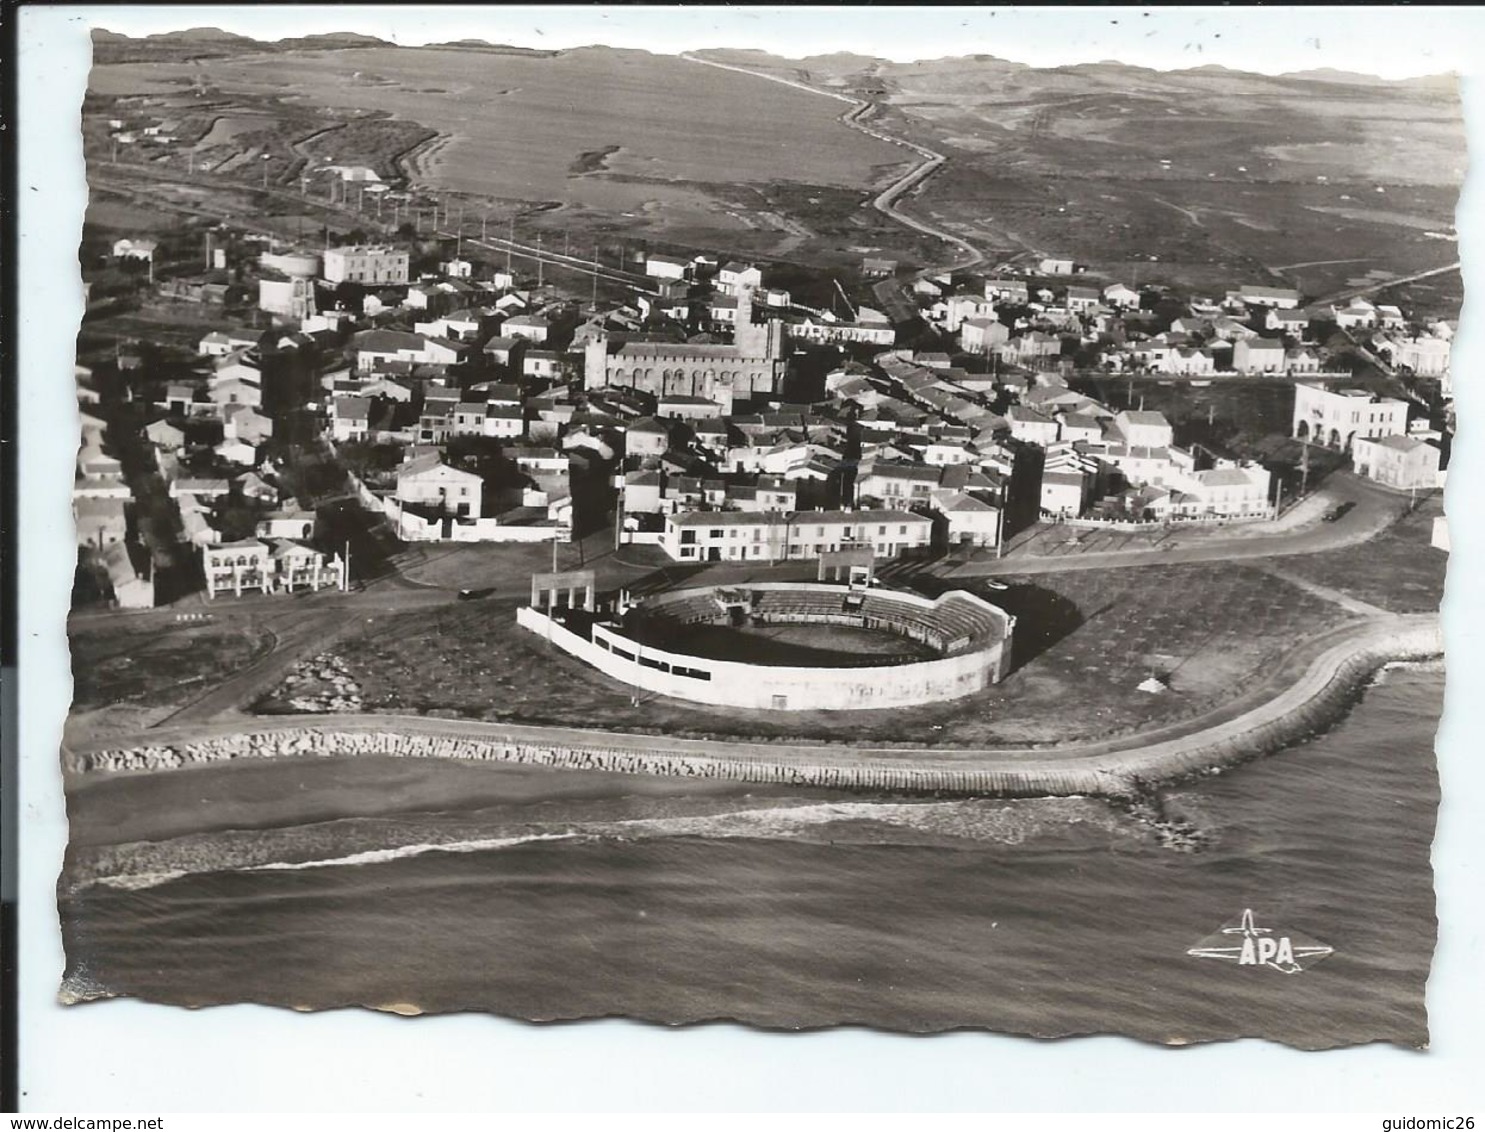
pixel 1371 288
pixel 1345 601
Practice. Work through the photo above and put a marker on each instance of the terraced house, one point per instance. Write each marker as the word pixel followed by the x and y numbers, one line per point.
pixel 736 536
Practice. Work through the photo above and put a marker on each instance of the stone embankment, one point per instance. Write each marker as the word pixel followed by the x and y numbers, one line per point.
pixel 321 683
pixel 1312 702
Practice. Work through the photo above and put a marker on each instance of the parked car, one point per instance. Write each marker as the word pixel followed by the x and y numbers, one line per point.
pixel 1337 511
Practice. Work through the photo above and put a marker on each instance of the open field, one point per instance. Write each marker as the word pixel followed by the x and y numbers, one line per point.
pixel 1398 570
pixel 1215 174
pixel 125 677
pixel 1084 641
pixel 527 127
pixel 1195 178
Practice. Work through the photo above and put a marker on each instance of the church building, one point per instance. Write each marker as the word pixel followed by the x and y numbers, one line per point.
pixel 752 366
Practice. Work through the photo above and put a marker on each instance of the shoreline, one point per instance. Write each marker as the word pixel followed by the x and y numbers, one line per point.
pixel 1123 768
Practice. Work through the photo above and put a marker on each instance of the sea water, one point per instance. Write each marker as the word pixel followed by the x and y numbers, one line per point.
pixel 547 894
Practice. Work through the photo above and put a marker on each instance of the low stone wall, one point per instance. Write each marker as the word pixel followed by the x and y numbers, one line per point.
pixel 1310 704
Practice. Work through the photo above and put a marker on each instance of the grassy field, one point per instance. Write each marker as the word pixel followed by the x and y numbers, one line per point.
pixel 1194 178
pixel 157 668
pixel 520 126
pixel 1398 570
pixel 1266 178
pixel 1084 641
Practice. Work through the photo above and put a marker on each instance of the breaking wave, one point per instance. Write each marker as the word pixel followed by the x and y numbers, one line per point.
pixel 363 841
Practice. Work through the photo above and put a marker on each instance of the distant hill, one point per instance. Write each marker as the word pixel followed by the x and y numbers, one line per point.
pixel 212 43
pixel 491 48
pixel 838 64
pixel 334 41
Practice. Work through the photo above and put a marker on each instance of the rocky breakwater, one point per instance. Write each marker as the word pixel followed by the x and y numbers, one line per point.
pixel 1318 696
pixel 322 683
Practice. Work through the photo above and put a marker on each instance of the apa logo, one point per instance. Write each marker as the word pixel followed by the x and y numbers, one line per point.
pixel 1290 953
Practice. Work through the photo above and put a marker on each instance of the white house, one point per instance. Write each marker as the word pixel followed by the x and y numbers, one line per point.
pixel 1356 313
pixel 1336 418
pixel 428 482
pixel 504 422
pixel 1143 428
pixel 1031 425
pixel 1261 295
pixel 135 249
pixel 1258 355
pixel 736 536
pixel 666 267
pixel 531 327
pixel 1292 322
pixel 350 419
pixel 968 520
pixel 733 278
pixel 1064 492
pixel 364 263
pixel 982 335
pixel 1403 462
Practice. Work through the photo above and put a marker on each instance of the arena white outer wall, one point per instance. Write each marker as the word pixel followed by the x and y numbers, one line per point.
pixel 778 687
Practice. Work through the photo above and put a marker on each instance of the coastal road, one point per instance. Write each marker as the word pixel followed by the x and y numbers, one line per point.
pixel 1283 704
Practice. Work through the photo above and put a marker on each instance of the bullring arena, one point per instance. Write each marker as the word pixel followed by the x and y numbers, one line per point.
pixel 781 646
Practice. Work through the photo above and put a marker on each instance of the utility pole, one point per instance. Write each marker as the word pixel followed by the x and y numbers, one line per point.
pixel 509 243
pixel 540 263
pixel 1005 502
pixel 595 277
pixel 618 518
pixel 484 228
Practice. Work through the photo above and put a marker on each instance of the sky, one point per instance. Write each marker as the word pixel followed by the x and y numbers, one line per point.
pixel 1393 42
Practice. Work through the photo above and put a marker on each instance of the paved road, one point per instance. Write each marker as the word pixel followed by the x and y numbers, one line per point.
pixel 1373 512
pixel 1114 764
